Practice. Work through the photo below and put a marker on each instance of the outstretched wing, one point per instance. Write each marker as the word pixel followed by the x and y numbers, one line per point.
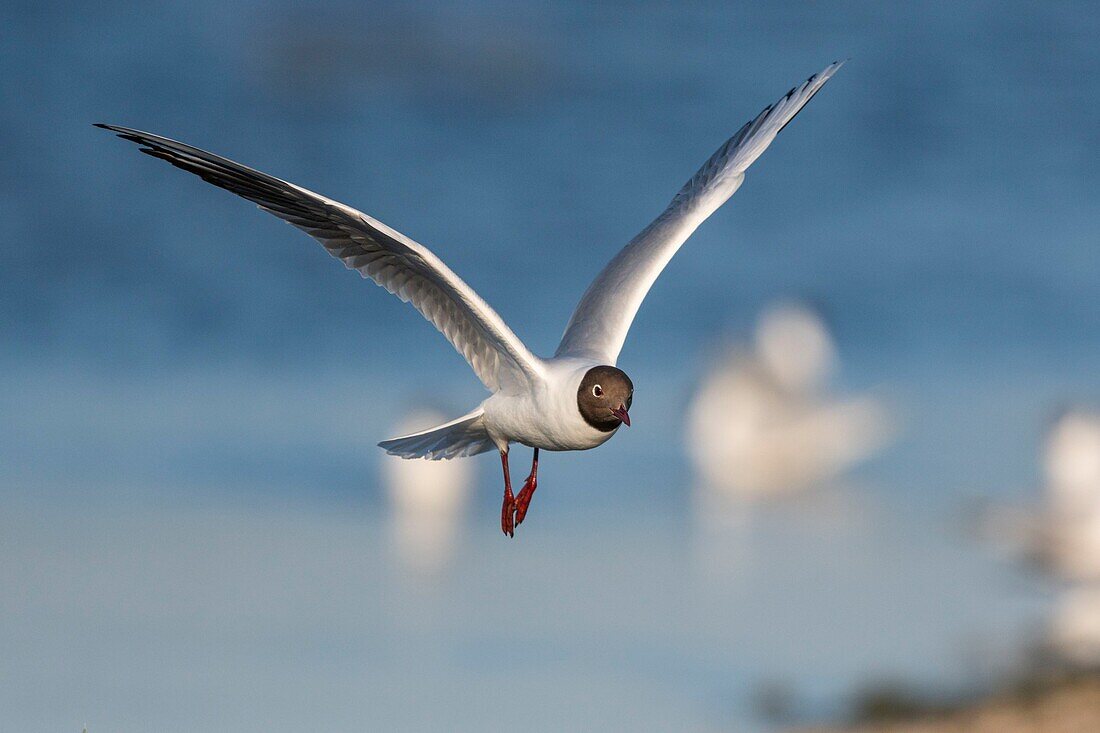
pixel 602 319
pixel 407 269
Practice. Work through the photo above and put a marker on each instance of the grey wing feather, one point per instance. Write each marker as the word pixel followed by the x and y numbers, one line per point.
pixel 403 267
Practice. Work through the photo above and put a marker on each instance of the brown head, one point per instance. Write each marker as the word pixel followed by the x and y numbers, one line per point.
pixel 604 397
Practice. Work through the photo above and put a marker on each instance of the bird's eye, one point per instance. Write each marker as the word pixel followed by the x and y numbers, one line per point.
pixel 597 391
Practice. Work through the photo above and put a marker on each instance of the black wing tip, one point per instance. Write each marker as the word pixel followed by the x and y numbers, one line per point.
pixel 808 83
pixel 134 136
pixel 123 132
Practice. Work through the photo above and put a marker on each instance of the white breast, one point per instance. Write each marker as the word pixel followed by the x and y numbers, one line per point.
pixel 547 417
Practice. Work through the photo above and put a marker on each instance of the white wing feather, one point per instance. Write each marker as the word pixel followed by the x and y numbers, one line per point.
pixel 602 319
pixel 405 268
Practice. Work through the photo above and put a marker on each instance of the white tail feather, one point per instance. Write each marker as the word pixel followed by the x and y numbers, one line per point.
pixel 464 436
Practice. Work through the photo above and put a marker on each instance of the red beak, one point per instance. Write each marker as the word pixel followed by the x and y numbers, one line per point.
pixel 620 412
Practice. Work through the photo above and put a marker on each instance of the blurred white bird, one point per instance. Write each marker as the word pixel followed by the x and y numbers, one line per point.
pixel 428 499
pixel 1075 626
pixel 1063 535
pixel 1071 536
pixel 761 423
pixel 574 401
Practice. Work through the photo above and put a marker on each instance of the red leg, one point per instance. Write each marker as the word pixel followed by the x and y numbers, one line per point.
pixel 508 509
pixel 524 499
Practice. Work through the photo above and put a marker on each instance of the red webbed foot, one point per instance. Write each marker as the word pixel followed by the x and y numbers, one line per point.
pixel 508 514
pixel 523 500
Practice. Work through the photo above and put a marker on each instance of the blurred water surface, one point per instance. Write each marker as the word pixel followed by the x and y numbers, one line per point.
pixel 193 522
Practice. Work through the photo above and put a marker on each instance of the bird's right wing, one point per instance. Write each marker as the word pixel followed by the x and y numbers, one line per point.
pixel 602 319
pixel 405 268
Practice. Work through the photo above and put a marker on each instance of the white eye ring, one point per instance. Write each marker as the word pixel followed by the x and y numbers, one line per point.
pixel 597 391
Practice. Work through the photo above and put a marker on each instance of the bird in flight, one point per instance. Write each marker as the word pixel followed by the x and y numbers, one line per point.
pixel 575 400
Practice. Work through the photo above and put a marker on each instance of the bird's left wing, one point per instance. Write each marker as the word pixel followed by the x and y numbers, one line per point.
pixel 602 319
pixel 405 268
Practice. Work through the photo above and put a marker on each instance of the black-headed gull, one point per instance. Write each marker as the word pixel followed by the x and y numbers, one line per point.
pixel 574 401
